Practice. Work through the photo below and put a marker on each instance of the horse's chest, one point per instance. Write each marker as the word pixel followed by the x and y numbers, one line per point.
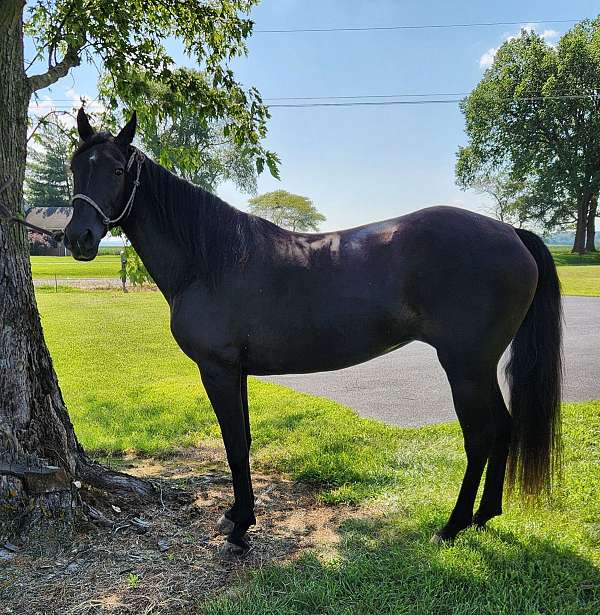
pixel 201 330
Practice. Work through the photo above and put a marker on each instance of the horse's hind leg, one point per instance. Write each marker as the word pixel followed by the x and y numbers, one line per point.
pixel 491 500
pixel 472 390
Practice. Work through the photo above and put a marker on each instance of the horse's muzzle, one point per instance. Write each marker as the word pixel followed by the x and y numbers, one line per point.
pixel 84 246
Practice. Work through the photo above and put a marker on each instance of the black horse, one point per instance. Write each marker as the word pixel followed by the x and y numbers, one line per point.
pixel 248 297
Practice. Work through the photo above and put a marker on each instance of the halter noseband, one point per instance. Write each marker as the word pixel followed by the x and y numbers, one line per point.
pixel 136 156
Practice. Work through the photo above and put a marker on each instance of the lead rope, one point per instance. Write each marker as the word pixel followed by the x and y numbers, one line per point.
pixel 136 156
pixel 8 217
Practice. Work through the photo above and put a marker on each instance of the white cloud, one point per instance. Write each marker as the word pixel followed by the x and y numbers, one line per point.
pixel 550 36
pixel 487 59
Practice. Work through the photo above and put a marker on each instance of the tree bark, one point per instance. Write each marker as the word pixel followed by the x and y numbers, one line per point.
pixel 590 240
pixel 40 457
pixel 580 229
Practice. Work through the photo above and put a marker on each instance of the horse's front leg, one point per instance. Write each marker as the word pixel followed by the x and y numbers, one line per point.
pixel 223 386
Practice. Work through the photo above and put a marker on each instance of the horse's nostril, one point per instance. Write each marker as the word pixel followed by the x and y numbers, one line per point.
pixel 86 241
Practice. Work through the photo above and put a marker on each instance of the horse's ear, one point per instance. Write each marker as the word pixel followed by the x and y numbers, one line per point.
pixel 125 137
pixel 83 125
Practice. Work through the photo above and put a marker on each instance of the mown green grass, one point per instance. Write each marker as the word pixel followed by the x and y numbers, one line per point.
pixel 579 273
pixel 582 280
pixel 103 266
pixel 563 256
pixel 129 388
pixel 530 560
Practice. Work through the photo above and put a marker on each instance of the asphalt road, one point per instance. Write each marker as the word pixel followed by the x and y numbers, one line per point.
pixel 409 388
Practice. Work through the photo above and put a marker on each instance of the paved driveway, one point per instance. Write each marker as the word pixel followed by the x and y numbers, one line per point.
pixel 408 387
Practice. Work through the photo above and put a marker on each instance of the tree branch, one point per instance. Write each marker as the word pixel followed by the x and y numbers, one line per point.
pixel 42 121
pixel 56 72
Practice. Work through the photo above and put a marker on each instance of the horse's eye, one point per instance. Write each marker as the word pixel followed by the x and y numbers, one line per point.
pixel 119 171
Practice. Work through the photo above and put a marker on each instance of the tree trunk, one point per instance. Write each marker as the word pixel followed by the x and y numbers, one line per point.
pixel 590 240
pixel 580 229
pixel 40 457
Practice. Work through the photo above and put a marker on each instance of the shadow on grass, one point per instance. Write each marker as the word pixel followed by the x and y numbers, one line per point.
pixel 388 566
pixel 566 257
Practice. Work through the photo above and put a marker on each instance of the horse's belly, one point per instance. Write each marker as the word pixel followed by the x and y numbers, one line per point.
pixel 306 351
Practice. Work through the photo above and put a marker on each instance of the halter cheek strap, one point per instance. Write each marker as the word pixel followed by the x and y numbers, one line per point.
pixel 136 156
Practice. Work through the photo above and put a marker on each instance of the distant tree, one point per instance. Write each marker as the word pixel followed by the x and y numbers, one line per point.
pixel 493 181
pixel 184 139
pixel 515 200
pixel 288 210
pixel 47 180
pixel 530 114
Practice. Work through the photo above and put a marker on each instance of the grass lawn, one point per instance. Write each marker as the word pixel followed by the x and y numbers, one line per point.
pixel 529 561
pixel 579 273
pixel 103 266
pixel 563 256
pixel 580 280
pixel 128 387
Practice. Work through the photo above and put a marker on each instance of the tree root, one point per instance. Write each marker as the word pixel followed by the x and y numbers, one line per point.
pixel 119 485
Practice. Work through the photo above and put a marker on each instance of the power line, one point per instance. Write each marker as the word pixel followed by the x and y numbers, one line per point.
pixel 77 102
pixel 366 103
pixel 364 96
pixel 383 103
pixel 416 26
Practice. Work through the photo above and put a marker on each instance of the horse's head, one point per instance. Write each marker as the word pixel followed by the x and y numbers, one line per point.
pixel 99 169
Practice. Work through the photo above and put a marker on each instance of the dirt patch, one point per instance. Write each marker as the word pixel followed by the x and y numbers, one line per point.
pixel 171 562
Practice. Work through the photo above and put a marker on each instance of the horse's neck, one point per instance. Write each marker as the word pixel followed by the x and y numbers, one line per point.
pixel 154 243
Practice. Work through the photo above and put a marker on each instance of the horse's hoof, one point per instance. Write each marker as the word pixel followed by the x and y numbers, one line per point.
pixel 436 539
pixel 232 550
pixel 441 538
pixel 480 519
pixel 479 524
pixel 225 526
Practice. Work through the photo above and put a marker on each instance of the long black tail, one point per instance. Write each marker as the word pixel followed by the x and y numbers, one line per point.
pixel 534 373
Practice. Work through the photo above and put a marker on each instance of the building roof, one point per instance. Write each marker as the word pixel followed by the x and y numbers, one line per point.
pixel 51 218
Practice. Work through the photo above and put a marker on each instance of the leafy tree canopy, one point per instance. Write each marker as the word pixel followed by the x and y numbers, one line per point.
pixel 182 137
pixel 288 210
pixel 536 114
pixel 128 37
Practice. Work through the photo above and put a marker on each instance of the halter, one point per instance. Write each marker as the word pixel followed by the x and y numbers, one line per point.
pixel 136 156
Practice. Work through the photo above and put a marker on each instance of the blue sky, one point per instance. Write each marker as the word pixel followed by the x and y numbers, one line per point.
pixel 360 164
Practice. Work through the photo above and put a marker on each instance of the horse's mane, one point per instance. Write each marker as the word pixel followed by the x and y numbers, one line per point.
pixel 213 235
